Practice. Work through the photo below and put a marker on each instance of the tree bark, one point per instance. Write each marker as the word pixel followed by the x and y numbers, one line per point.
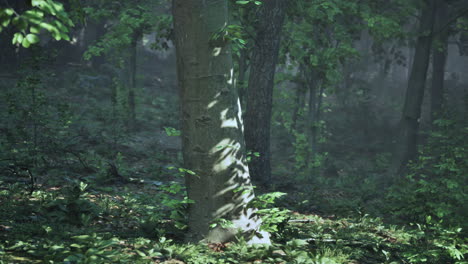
pixel 260 88
pixel 212 130
pixel 242 71
pixel 439 58
pixel 406 147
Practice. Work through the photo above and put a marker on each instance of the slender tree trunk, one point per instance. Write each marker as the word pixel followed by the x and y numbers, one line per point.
pixel 132 69
pixel 212 131
pixel 260 89
pixel 312 83
pixel 299 99
pixel 314 115
pixel 345 89
pixel 406 148
pixel 318 115
pixel 439 58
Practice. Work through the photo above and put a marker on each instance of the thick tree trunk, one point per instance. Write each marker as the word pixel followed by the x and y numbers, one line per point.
pixel 212 129
pixel 406 148
pixel 439 58
pixel 260 89
pixel 242 71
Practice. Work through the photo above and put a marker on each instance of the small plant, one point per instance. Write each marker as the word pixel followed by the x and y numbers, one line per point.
pixel 273 218
pixel 73 208
pixel 172 132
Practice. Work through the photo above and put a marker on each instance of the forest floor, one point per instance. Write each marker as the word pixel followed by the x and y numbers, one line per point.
pixel 144 222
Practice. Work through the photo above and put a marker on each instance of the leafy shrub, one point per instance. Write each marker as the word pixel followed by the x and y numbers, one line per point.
pixel 436 183
pixel 273 218
pixel 433 243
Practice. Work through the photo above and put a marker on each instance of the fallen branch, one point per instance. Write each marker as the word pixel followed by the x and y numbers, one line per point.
pixel 340 241
pixel 301 221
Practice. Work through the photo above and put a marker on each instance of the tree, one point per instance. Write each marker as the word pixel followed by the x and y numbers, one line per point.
pixel 128 22
pixel 406 147
pixel 260 88
pixel 212 130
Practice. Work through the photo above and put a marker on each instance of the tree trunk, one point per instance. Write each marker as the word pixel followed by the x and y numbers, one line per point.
pixel 260 89
pixel 242 71
pixel 439 58
pixel 407 140
pixel 299 101
pixel 132 80
pixel 212 130
pixel 312 83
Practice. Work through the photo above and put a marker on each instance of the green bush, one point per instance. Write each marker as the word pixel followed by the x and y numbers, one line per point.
pixel 436 183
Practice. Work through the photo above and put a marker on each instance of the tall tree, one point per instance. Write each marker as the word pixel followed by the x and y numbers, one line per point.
pixel 260 88
pixel 406 147
pixel 212 130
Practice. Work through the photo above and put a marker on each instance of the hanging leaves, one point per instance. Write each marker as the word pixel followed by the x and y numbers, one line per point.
pixel 45 15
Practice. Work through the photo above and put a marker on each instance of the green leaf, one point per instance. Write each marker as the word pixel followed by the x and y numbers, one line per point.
pixel 140 253
pixel 9 11
pixel 77 245
pixel 6 22
pixel 37 2
pixel 297 242
pixel 82 237
pixel 37 14
pixel 35 29
pixel 65 36
pixel 17 38
pixel 32 38
pixel 25 43
pixel 242 2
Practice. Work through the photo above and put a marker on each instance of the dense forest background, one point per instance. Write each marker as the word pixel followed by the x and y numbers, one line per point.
pixel 355 131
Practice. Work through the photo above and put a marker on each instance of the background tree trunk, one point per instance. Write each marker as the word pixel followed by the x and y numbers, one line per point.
pixel 132 70
pixel 439 58
pixel 313 83
pixel 260 89
pixel 406 147
pixel 212 130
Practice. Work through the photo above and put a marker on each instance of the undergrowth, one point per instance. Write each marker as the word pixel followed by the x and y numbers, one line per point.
pixel 144 222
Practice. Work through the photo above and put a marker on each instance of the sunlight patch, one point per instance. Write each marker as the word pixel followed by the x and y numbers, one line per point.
pixel 216 51
pixel 225 122
pixel 231 78
pixel 210 105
